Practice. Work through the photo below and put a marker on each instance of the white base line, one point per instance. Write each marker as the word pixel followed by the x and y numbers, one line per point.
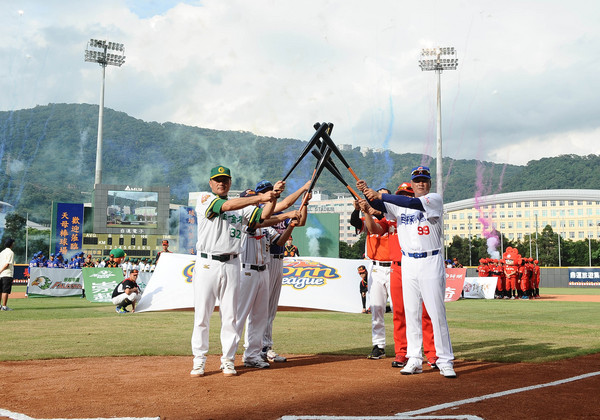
pixel 21 416
pixel 495 395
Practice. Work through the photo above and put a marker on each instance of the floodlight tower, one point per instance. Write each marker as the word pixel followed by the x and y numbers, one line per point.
pixel 97 51
pixel 438 59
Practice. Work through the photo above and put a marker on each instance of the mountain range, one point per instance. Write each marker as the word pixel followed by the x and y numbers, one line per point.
pixel 48 153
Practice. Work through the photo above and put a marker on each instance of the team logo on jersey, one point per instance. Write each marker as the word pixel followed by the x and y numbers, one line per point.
pixel 409 219
pixel 303 273
pixel 204 198
pixel 188 272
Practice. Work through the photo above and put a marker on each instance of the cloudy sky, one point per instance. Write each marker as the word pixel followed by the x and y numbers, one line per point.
pixel 526 86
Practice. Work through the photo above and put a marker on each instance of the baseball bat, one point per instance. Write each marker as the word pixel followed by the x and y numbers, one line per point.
pixel 320 130
pixel 331 145
pixel 316 174
pixel 335 172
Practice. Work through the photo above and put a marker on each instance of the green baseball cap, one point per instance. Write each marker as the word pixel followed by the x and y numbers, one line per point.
pixel 117 253
pixel 219 171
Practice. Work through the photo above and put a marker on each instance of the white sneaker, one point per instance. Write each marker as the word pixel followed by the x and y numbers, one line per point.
pixel 228 368
pixel 271 356
pixel 413 367
pixel 198 369
pixel 447 371
pixel 256 363
pixel 6 308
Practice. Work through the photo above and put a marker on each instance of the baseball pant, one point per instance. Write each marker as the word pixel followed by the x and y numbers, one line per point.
pixel 215 280
pixel 379 290
pixel 133 297
pixel 511 283
pixel 525 284
pixel 500 284
pixel 424 281
pixel 399 318
pixel 253 300
pixel 275 279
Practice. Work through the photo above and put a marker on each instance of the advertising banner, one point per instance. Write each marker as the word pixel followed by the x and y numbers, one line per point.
pixel 171 284
pixel 67 228
pixel 480 287
pixel 54 282
pixel 100 282
pixel 584 276
pixel 455 278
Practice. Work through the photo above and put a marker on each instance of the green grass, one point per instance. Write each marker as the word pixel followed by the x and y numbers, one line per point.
pixel 485 330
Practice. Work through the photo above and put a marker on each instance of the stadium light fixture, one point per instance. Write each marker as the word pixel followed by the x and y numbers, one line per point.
pixel 439 59
pixel 97 51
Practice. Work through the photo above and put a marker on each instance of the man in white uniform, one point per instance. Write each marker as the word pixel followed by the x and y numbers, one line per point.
pixel 253 300
pixel 419 222
pixel 217 269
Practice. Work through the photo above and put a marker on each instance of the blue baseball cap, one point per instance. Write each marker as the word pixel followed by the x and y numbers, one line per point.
pixel 263 186
pixel 420 172
pixel 247 193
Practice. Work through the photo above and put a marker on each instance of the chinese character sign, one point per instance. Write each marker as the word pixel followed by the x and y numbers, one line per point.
pixel 584 277
pixel 188 230
pixel 68 228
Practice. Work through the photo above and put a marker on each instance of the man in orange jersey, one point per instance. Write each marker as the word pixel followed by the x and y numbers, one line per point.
pixel 377 250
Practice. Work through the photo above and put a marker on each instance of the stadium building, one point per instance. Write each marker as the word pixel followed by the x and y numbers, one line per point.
pixel 574 214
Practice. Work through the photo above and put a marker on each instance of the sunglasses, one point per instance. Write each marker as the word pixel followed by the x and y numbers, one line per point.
pixel 417 172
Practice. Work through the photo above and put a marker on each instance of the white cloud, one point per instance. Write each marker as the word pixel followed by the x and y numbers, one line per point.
pixel 526 70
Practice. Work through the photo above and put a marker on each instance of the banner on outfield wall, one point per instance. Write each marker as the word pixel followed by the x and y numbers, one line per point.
pixel 100 282
pixel 54 282
pixel 584 277
pixel 455 278
pixel 480 287
pixel 67 228
pixel 317 283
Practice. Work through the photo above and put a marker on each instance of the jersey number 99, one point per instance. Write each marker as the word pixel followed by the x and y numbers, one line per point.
pixel 423 230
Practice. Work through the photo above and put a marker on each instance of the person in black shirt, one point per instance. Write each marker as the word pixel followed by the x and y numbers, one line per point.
pixel 127 293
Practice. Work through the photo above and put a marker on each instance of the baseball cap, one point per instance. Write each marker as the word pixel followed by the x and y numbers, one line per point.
pixel 165 242
pixel 117 253
pixel 420 171
pixel 135 270
pixel 219 171
pixel 405 187
pixel 362 269
pixel 247 193
pixel 263 186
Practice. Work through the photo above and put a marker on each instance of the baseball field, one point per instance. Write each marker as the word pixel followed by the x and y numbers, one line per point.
pixel 68 358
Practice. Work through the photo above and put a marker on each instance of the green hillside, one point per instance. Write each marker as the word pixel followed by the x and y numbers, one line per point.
pixel 48 153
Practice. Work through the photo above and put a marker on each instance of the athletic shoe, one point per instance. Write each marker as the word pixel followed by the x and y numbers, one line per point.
pixel 228 368
pixel 447 371
pixel 256 363
pixel 198 369
pixel 6 308
pixel 413 367
pixel 376 353
pixel 399 362
pixel 274 357
pixel 269 355
pixel 432 365
pixel 121 310
pixel 524 297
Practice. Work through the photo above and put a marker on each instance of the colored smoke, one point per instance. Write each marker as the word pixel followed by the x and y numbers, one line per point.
pixel 313 234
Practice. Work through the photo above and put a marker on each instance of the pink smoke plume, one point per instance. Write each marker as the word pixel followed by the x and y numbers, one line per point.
pixel 489 232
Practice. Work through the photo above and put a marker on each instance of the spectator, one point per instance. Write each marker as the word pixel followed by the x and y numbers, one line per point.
pixel 7 267
pixel 364 286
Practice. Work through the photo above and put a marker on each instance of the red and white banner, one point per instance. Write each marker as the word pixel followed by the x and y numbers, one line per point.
pixel 455 278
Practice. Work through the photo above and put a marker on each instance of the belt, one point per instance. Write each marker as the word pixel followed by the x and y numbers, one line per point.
pixel 255 267
pixel 222 258
pixel 421 254
pixel 398 263
pixel 382 263
pixel 277 256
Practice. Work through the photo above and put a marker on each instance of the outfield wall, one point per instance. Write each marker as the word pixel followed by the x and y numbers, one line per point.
pixel 550 276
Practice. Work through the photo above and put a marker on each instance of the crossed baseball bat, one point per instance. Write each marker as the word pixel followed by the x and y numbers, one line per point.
pixel 324 147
